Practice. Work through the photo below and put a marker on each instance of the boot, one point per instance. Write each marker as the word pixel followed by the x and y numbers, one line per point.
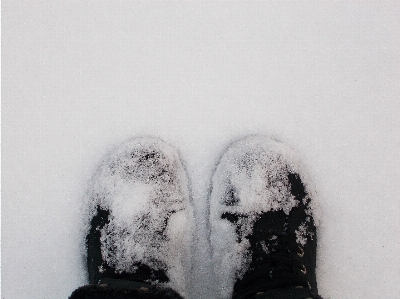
pixel 139 224
pixel 262 227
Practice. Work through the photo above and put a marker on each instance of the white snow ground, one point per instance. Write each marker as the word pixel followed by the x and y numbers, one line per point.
pixel 80 77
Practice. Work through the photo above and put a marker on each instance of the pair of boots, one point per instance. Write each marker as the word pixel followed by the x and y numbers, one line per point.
pixel 140 217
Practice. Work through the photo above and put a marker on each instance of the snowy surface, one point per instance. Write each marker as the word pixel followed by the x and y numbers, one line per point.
pixel 81 77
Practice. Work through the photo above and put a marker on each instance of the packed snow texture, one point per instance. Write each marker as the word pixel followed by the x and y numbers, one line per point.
pixel 79 78
pixel 252 178
pixel 143 185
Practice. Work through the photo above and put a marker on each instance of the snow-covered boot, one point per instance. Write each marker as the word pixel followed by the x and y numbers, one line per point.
pixel 263 232
pixel 139 220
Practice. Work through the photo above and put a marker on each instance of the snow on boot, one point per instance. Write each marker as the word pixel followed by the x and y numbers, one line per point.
pixel 263 233
pixel 139 219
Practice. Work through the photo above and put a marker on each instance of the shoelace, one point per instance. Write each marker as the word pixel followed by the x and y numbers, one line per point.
pixel 282 260
pixel 282 265
pixel 276 259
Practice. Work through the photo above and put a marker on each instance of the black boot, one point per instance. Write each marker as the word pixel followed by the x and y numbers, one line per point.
pixel 265 211
pixel 139 230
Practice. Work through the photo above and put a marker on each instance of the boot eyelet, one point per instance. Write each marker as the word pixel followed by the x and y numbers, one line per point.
pixel 304 270
pixel 301 253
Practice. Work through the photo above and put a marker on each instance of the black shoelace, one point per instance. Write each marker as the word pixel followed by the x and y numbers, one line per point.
pixel 276 258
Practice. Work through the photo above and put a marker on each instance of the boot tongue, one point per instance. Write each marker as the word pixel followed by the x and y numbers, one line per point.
pixel 274 261
pixel 99 270
pixel 271 246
